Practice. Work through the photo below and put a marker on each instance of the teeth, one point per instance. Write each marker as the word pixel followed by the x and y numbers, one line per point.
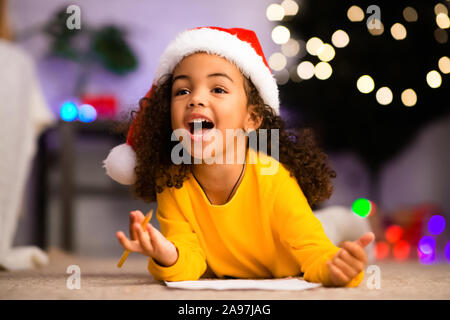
pixel 198 120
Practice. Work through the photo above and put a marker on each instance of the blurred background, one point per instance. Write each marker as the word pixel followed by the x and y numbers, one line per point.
pixel 370 77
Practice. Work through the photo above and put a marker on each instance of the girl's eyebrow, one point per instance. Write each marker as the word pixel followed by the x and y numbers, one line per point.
pixel 217 74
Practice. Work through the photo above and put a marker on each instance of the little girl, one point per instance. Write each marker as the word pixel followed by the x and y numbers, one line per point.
pixel 228 219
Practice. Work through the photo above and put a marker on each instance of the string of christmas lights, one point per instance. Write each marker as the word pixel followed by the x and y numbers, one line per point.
pixel 305 70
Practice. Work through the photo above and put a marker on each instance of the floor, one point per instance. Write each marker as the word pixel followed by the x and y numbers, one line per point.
pixel 101 279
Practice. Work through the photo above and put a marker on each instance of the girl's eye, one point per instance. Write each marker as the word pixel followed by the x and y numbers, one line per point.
pixel 223 91
pixel 179 91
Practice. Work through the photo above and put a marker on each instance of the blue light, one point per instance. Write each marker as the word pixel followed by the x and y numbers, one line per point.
pixel 436 224
pixel 87 113
pixel 68 111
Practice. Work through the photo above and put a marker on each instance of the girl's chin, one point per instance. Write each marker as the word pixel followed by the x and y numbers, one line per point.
pixel 198 153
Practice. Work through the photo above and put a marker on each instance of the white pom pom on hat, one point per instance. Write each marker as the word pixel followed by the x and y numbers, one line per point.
pixel 120 164
pixel 237 45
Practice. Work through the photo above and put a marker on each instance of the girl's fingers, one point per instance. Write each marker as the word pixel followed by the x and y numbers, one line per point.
pixel 132 221
pixel 155 235
pixel 353 255
pixel 366 239
pixel 136 216
pixel 151 234
pixel 345 268
pixel 144 240
pixel 157 239
pixel 139 216
pixel 338 277
pixel 354 249
pixel 127 244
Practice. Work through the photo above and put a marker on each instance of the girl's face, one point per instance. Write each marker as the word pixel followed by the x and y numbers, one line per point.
pixel 213 88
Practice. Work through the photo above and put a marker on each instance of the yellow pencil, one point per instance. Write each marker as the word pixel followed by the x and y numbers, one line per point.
pixel 147 219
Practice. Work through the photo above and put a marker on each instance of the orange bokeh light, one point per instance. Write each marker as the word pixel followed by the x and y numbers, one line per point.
pixel 381 250
pixel 401 250
pixel 393 233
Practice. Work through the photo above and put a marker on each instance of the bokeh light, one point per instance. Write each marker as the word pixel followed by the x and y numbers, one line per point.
pixel 444 64
pixel 326 52
pixel 426 258
pixel 87 113
pixel 290 7
pixel 427 245
pixel 340 39
pixel 280 34
pixel 440 35
pixel 277 61
pixel 365 84
pixel 290 48
pixel 434 79
pixel 376 31
pixel 323 70
pixel 381 250
pixel 275 12
pixel 398 31
pixel 313 44
pixel 305 70
pixel 440 8
pixel 393 233
pixel 401 250
pixel 447 251
pixel 384 96
pixel 362 207
pixel 282 76
pixel 410 14
pixel 442 21
pixel 68 111
pixel 436 224
pixel 355 14
pixel 409 97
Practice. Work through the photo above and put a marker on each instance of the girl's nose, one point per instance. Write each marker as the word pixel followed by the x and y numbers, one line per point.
pixel 196 100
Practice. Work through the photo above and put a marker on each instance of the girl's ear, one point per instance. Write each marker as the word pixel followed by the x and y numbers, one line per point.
pixel 252 120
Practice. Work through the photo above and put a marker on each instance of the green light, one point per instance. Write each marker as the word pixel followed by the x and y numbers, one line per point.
pixel 362 207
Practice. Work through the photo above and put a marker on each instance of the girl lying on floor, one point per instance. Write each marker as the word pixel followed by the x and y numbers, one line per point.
pixel 249 217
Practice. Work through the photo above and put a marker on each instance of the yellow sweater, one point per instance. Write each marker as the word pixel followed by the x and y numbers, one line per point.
pixel 266 230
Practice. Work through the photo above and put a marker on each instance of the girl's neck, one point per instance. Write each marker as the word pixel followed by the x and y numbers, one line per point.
pixel 216 178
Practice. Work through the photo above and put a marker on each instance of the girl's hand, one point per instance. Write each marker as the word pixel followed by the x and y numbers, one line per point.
pixel 149 242
pixel 349 261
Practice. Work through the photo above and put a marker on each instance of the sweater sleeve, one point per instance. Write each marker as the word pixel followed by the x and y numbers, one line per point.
pixel 302 233
pixel 191 262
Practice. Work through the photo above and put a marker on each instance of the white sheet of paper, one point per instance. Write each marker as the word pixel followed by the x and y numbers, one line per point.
pixel 232 284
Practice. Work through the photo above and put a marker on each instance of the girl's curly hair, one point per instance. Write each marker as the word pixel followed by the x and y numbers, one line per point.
pixel 152 131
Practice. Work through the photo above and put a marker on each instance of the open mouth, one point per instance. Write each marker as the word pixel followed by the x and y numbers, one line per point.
pixel 200 126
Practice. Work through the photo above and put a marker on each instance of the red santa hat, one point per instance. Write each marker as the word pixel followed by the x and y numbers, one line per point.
pixel 237 45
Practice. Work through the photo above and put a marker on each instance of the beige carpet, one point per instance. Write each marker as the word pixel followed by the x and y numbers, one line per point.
pixel 101 279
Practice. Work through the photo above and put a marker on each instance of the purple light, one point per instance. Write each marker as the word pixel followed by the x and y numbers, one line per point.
pixel 447 251
pixel 427 245
pixel 426 258
pixel 436 224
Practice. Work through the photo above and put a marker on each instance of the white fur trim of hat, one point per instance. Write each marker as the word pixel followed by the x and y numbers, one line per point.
pixel 230 47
